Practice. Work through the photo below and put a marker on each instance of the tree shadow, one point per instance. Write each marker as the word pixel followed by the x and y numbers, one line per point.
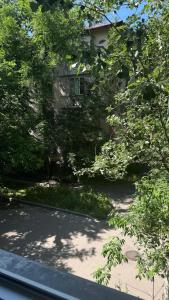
pixel 117 192
pixel 49 236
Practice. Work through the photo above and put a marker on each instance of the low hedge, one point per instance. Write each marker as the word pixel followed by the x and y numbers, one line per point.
pixel 85 201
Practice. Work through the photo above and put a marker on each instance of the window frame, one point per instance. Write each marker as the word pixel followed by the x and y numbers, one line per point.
pixel 78 86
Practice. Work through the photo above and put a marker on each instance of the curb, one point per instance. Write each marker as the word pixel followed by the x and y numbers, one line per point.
pixel 55 208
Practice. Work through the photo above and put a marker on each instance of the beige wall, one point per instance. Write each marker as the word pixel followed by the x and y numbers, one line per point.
pixel 100 35
pixel 61 93
pixel 61 85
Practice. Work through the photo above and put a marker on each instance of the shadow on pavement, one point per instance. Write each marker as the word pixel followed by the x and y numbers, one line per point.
pixel 118 192
pixel 47 236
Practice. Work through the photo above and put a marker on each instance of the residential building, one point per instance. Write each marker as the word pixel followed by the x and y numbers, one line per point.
pixel 67 84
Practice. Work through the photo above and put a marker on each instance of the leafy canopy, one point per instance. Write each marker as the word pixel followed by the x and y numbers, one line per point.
pixel 137 57
pixel 33 41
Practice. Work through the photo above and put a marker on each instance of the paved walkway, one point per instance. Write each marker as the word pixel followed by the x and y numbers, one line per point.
pixel 120 193
pixel 70 243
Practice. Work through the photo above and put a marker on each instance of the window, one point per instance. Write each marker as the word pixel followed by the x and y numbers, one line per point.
pixel 77 86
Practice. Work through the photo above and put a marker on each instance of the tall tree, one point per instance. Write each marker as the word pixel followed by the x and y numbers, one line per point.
pixel 19 98
pixel 138 56
pixel 32 43
pixel 50 4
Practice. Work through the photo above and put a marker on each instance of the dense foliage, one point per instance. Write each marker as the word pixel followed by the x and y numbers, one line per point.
pixel 138 56
pixel 18 116
pixel 36 37
pixel 31 44
pixel 147 220
pixel 132 73
pixel 82 200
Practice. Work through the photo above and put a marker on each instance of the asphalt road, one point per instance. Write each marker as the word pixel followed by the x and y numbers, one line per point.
pixel 70 243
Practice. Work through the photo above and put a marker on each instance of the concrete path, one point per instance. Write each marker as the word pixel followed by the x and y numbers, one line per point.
pixel 120 193
pixel 70 243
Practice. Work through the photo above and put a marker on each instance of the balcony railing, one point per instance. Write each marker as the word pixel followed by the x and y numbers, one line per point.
pixel 22 279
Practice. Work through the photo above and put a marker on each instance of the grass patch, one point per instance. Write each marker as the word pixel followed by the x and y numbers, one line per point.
pixel 84 201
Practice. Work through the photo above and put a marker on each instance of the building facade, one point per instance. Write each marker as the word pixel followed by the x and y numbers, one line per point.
pixel 68 84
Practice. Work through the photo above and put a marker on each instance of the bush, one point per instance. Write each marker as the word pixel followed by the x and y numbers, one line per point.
pixel 84 201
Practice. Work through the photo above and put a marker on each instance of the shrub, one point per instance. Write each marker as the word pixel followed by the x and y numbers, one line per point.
pixel 83 200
